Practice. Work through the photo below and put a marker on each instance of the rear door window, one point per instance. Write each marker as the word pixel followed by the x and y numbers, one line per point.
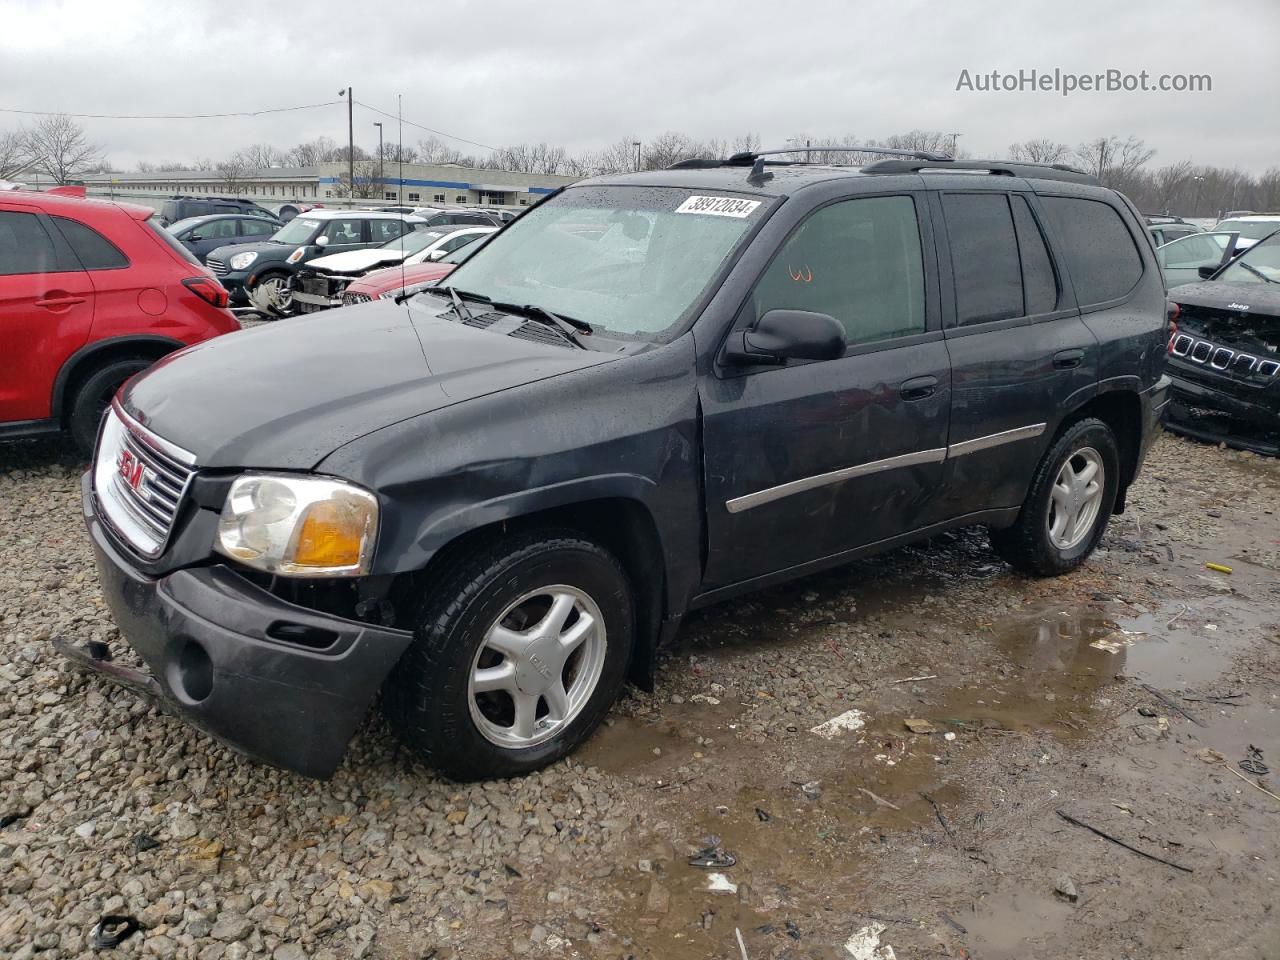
pixel 1039 283
pixel 383 231
pixel 25 247
pixel 1099 251
pixel 257 228
pixel 94 251
pixel 984 257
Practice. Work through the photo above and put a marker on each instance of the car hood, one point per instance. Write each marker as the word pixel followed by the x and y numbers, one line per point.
pixel 285 395
pixel 355 261
pixel 265 249
pixel 393 278
pixel 1240 297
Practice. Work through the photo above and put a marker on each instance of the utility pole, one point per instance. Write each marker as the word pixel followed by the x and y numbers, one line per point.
pixel 380 156
pixel 636 144
pixel 351 146
pixel 954 138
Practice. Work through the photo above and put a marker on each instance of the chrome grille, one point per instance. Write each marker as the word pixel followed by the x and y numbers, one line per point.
pixel 1222 358
pixel 219 267
pixel 351 299
pixel 139 480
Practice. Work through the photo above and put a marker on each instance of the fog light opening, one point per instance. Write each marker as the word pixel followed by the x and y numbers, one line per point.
pixel 193 673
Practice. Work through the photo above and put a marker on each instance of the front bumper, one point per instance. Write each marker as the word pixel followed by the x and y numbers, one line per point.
pixel 319 292
pixel 1240 421
pixel 211 640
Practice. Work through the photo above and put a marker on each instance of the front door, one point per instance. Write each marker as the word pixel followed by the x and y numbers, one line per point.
pixel 46 312
pixel 808 460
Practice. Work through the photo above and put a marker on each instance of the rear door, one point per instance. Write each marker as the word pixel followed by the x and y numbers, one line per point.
pixel 213 234
pixel 346 233
pixel 46 311
pixel 1020 354
pixel 808 460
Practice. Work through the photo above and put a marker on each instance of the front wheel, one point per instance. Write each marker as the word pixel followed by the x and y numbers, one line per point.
pixel 1068 504
pixel 272 296
pixel 516 659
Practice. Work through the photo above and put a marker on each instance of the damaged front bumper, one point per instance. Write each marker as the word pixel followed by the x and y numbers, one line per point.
pixel 316 291
pixel 1242 420
pixel 282 683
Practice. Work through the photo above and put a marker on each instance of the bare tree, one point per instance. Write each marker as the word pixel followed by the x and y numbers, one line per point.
pixel 15 153
pixel 1168 182
pixel 310 153
pixel 1114 161
pixel 61 149
pixel 203 165
pixel 233 172
pixel 1040 151
pixel 436 151
pixel 259 155
pixel 367 185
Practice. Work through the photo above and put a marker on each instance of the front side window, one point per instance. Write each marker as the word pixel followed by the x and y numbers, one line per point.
pixel 630 260
pixel 1101 256
pixel 1196 250
pixel 858 261
pixel 344 232
pixel 92 249
pixel 25 247
pixel 1259 264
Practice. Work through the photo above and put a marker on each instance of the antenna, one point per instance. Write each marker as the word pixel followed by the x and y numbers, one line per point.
pixel 404 245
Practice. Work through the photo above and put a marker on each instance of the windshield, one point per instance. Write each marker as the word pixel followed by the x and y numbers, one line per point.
pixel 1250 229
pixel 297 230
pixel 413 242
pixel 629 260
pixel 1259 264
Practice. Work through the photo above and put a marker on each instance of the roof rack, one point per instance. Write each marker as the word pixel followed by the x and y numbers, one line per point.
pixel 1037 171
pixel 755 158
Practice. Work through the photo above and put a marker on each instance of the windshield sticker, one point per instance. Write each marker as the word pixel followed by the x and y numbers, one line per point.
pixel 719 206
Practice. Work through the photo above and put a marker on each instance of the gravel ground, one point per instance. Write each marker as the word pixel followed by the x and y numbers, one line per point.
pixel 875 837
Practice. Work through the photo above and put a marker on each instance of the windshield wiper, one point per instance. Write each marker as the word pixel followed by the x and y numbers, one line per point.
pixel 1255 271
pixel 568 327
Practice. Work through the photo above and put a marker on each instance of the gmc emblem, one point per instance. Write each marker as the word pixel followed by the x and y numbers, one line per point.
pixel 132 470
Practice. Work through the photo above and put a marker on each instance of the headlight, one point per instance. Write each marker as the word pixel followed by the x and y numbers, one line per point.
pixel 296 255
pixel 241 261
pixel 406 291
pixel 299 526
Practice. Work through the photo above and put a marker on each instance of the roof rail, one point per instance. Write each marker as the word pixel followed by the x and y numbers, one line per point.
pixel 748 157
pixel 1037 171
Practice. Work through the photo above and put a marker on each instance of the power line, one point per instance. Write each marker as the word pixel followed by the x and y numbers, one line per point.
pixel 422 126
pixel 168 116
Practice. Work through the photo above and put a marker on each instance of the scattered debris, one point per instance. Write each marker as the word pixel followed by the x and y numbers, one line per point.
pixel 1118 842
pixel 742 947
pixel 849 720
pixel 865 944
pixel 8 819
pixel 144 842
pixel 1209 755
pixel 1253 763
pixel 880 800
pixel 917 725
pixel 705 698
pixel 932 676
pixel 812 789
pixel 1171 705
pixel 1117 640
pixel 1220 567
pixel 1177 616
pixel 950 922
pixel 1146 711
pixel 713 857
pixel 948 735
pixel 719 883
pixel 1065 887
pixel 763 815
pixel 937 812
pixel 113 930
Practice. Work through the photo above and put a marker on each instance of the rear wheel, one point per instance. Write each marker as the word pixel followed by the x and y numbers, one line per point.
pixel 94 396
pixel 1068 504
pixel 517 657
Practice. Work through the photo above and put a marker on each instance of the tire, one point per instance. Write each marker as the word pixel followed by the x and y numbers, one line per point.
pixel 94 396
pixel 1047 540
pixel 272 295
pixel 504 593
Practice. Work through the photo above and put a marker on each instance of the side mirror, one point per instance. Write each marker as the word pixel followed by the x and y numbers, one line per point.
pixel 193 237
pixel 1207 272
pixel 322 240
pixel 788 335
pixel 436 254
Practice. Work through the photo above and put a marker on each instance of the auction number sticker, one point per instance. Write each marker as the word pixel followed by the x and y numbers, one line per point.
pixel 719 206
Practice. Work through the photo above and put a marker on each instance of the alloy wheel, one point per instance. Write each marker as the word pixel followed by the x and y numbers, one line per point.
pixel 1076 497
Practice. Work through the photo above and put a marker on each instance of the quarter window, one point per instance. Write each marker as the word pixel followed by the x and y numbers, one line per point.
pixel 92 249
pixel 24 245
pixel 1101 256
pixel 984 257
pixel 384 230
pixel 858 261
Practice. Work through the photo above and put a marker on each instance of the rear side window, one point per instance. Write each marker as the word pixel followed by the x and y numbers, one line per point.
pixel 984 257
pixel 25 247
pixel 94 251
pixel 1039 285
pixel 1099 251
pixel 858 261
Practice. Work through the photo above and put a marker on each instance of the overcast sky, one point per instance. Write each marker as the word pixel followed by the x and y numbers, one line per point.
pixel 584 74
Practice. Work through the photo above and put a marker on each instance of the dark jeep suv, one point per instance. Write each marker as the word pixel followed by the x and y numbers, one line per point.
pixel 492 501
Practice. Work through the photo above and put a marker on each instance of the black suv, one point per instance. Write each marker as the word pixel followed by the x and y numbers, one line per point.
pixel 493 500
pixel 182 208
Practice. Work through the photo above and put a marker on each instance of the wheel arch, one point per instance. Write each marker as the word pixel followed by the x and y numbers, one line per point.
pixel 1120 408
pixel 82 364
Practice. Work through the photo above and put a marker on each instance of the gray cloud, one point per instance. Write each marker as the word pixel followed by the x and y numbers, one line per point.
pixel 583 75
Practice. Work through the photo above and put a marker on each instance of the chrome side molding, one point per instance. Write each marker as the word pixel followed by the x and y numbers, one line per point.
pixel 995 439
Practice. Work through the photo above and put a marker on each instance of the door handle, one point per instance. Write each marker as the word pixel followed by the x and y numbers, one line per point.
pixel 918 388
pixel 1066 359
pixel 54 303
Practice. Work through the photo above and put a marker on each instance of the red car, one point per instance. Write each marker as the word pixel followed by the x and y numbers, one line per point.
pixel 393 280
pixel 91 292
